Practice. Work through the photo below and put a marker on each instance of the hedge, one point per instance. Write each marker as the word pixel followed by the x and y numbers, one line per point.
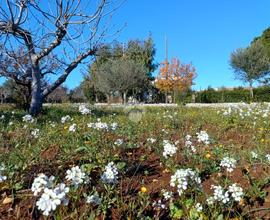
pixel 261 94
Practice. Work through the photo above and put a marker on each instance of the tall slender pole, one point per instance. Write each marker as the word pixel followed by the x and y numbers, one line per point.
pixel 166 65
pixel 166 49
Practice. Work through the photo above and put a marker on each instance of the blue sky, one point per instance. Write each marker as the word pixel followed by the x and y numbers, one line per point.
pixel 203 32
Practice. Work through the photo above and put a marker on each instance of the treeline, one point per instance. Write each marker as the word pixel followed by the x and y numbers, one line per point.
pixel 240 94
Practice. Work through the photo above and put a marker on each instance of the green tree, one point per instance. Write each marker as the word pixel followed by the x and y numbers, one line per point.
pixel 138 51
pixel 250 64
pixel 120 76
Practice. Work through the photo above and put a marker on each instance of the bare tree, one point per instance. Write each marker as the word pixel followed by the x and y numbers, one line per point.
pixel 67 32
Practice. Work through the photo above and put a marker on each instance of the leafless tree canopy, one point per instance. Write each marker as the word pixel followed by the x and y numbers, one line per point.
pixel 37 32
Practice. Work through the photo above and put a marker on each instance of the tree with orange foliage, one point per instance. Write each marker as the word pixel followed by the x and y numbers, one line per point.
pixel 175 77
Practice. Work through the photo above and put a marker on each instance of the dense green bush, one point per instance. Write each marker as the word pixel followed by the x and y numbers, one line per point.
pixel 261 94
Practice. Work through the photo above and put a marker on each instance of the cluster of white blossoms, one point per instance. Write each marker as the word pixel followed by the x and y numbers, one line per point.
pixel 65 119
pixel 183 178
pixel 41 182
pixel 228 163
pixel 102 125
pixel 234 193
pixel 168 149
pixel 254 155
pixel 2 177
pixel 267 156
pixel 51 198
pixel 76 176
pixel 114 125
pixel 28 118
pixel 2 117
pixel 52 195
pixel 72 128
pixel 98 125
pixel 158 205
pixel 198 207
pixel 84 110
pixel 110 173
pixel 189 144
pixel 203 137
pixel 151 140
pixel 35 133
pixel 119 142
pixel 167 195
pixel 94 199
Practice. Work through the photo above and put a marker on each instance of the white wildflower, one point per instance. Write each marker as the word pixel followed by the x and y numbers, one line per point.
pixel 158 205
pixel 2 177
pixel 228 163
pixel 119 142
pixel 198 207
pixel 72 128
pixel 151 140
pixel 236 192
pixel 167 195
pixel 203 137
pixel 267 156
pixel 254 155
pixel 35 133
pixel 183 178
pixel 110 173
pixel 169 149
pixel 41 182
pixel 95 199
pixel 114 125
pixel 66 118
pixel 84 110
pixel 48 201
pixel 75 175
pixel 28 118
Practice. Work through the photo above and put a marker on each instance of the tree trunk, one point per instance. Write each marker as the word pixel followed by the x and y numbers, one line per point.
pixel 108 98
pixel 166 97
pixel 36 93
pixel 125 98
pixel 251 91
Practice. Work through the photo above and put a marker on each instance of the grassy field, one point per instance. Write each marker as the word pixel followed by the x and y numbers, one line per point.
pixel 150 163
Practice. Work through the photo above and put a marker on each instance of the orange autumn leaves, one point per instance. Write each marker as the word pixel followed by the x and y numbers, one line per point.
pixel 175 76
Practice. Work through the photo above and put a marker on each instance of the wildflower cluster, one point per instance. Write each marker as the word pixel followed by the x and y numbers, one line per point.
pixel 28 118
pixel 72 128
pixel 65 119
pixel 2 177
pixel 203 137
pixel 189 144
pixel 184 178
pixel 94 199
pixel 35 133
pixel 102 125
pixel 51 197
pixel 110 173
pixel 84 110
pixel 228 163
pixel 169 149
pixel 234 193
pixel 75 175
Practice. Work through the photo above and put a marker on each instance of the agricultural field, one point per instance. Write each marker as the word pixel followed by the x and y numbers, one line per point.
pixel 135 163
